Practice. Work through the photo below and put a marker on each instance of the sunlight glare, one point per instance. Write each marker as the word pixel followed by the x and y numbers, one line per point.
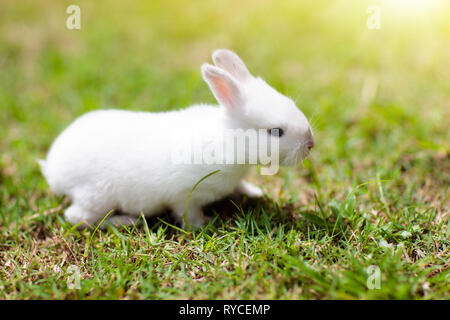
pixel 408 7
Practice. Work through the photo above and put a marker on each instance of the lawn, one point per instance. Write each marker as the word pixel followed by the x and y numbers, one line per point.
pixel 365 217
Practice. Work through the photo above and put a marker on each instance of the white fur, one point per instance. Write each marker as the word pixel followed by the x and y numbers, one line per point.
pixel 113 159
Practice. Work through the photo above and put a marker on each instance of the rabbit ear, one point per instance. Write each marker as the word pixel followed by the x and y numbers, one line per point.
pixel 230 61
pixel 225 88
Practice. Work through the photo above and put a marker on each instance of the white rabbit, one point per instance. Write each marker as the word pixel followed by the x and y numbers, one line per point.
pixel 122 160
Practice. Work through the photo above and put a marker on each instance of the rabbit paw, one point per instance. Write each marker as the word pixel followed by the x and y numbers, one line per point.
pixel 250 190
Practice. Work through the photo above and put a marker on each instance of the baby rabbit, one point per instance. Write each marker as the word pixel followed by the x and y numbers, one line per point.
pixel 123 160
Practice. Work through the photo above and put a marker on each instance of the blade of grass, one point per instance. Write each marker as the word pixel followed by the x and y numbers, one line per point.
pixel 186 217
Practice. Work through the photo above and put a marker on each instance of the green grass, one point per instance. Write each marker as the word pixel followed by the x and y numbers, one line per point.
pixel 373 193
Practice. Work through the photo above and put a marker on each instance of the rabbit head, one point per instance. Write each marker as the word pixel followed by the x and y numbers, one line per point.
pixel 250 103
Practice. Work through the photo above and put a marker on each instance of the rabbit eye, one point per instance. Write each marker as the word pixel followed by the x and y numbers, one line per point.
pixel 276 132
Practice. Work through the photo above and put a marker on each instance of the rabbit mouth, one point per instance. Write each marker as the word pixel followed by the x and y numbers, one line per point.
pixel 296 155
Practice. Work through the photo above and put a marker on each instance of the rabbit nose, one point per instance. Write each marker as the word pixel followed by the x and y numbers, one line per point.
pixel 310 144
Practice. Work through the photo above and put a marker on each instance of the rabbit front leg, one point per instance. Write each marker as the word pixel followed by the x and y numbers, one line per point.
pixel 249 189
pixel 195 216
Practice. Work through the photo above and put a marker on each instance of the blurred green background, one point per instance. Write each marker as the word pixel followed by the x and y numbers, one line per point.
pixel 379 100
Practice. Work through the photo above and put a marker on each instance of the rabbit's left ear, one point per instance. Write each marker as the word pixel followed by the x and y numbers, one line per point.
pixel 230 62
pixel 225 88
